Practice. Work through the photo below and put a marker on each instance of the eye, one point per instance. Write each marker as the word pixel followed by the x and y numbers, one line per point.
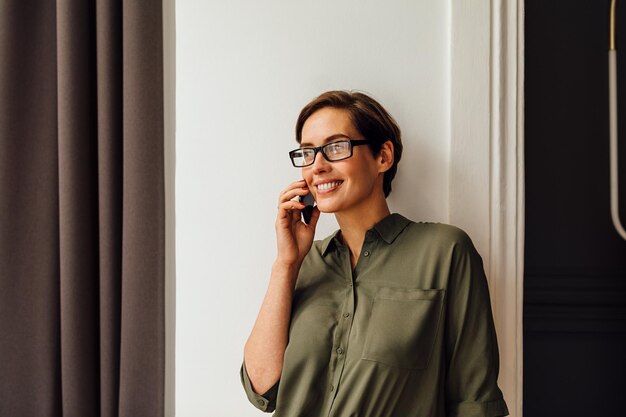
pixel 308 152
pixel 334 148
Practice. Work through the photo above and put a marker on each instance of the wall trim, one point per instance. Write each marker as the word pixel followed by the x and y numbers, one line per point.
pixel 169 145
pixel 487 161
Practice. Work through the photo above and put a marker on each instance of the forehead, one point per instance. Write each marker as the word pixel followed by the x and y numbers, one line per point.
pixel 325 123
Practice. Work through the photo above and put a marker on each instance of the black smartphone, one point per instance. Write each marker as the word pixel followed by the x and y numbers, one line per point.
pixel 307 211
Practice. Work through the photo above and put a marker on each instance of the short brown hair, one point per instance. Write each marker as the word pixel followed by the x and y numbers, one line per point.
pixel 369 118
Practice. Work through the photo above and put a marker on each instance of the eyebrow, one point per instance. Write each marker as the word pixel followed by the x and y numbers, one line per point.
pixel 328 139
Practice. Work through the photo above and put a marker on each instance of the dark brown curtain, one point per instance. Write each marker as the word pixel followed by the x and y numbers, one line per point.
pixel 81 208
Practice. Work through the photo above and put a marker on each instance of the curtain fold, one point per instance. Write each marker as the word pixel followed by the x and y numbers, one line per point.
pixel 109 122
pixel 81 209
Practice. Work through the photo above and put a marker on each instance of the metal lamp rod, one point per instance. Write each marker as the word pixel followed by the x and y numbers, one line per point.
pixel 613 127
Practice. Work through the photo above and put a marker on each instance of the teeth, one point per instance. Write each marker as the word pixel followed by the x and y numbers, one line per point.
pixel 329 185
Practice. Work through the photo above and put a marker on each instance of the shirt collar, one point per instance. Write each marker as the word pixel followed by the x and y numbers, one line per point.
pixel 388 228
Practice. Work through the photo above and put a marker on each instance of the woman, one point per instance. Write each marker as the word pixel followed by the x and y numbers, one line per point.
pixel 385 317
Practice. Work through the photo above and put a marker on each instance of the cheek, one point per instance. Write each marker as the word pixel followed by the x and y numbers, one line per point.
pixel 362 172
pixel 306 175
pixel 365 179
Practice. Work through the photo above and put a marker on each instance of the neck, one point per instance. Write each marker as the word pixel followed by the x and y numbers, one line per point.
pixel 356 222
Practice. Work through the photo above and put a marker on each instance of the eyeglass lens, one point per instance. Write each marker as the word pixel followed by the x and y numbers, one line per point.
pixel 334 151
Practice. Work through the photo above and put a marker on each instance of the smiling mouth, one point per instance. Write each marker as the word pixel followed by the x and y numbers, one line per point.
pixel 328 186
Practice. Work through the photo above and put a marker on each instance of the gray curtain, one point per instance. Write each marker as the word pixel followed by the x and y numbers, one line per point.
pixel 81 208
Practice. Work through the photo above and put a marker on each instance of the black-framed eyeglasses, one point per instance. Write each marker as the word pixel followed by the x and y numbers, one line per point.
pixel 332 151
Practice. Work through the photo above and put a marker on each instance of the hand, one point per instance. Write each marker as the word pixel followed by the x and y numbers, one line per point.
pixel 294 237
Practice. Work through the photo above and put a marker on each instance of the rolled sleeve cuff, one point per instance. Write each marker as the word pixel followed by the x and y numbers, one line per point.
pixel 494 408
pixel 265 402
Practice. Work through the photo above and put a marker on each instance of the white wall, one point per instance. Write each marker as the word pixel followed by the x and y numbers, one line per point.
pixel 244 69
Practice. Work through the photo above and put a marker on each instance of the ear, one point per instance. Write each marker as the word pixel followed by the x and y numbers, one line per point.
pixel 385 157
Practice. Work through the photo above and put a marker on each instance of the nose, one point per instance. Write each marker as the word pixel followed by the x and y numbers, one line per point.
pixel 320 164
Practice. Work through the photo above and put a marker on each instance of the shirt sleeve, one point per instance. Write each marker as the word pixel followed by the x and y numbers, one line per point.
pixel 265 402
pixel 472 361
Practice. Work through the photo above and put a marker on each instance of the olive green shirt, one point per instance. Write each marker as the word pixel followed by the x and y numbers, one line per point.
pixel 408 333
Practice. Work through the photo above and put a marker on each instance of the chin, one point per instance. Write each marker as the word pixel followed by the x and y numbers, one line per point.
pixel 323 209
pixel 326 208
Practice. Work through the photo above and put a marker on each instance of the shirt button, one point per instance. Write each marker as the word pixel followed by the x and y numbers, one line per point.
pixel 346 315
pixel 332 388
pixel 366 253
pixel 260 401
pixel 340 350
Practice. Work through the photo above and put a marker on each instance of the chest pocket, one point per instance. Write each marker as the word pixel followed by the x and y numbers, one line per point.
pixel 403 326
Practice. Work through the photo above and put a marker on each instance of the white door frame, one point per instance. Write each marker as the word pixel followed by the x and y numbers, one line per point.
pixel 487 161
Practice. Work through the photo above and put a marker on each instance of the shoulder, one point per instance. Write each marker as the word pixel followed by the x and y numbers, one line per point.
pixel 442 235
pixel 442 243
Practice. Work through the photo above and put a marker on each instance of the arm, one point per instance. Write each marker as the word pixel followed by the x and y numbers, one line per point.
pixel 472 359
pixel 264 351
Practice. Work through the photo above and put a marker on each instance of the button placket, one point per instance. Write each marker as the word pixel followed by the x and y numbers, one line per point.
pixel 342 336
pixel 366 252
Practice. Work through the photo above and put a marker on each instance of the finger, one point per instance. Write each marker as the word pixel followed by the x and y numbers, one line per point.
pixel 294 185
pixel 296 216
pixel 291 195
pixel 288 195
pixel 290 205
pixel 290 213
